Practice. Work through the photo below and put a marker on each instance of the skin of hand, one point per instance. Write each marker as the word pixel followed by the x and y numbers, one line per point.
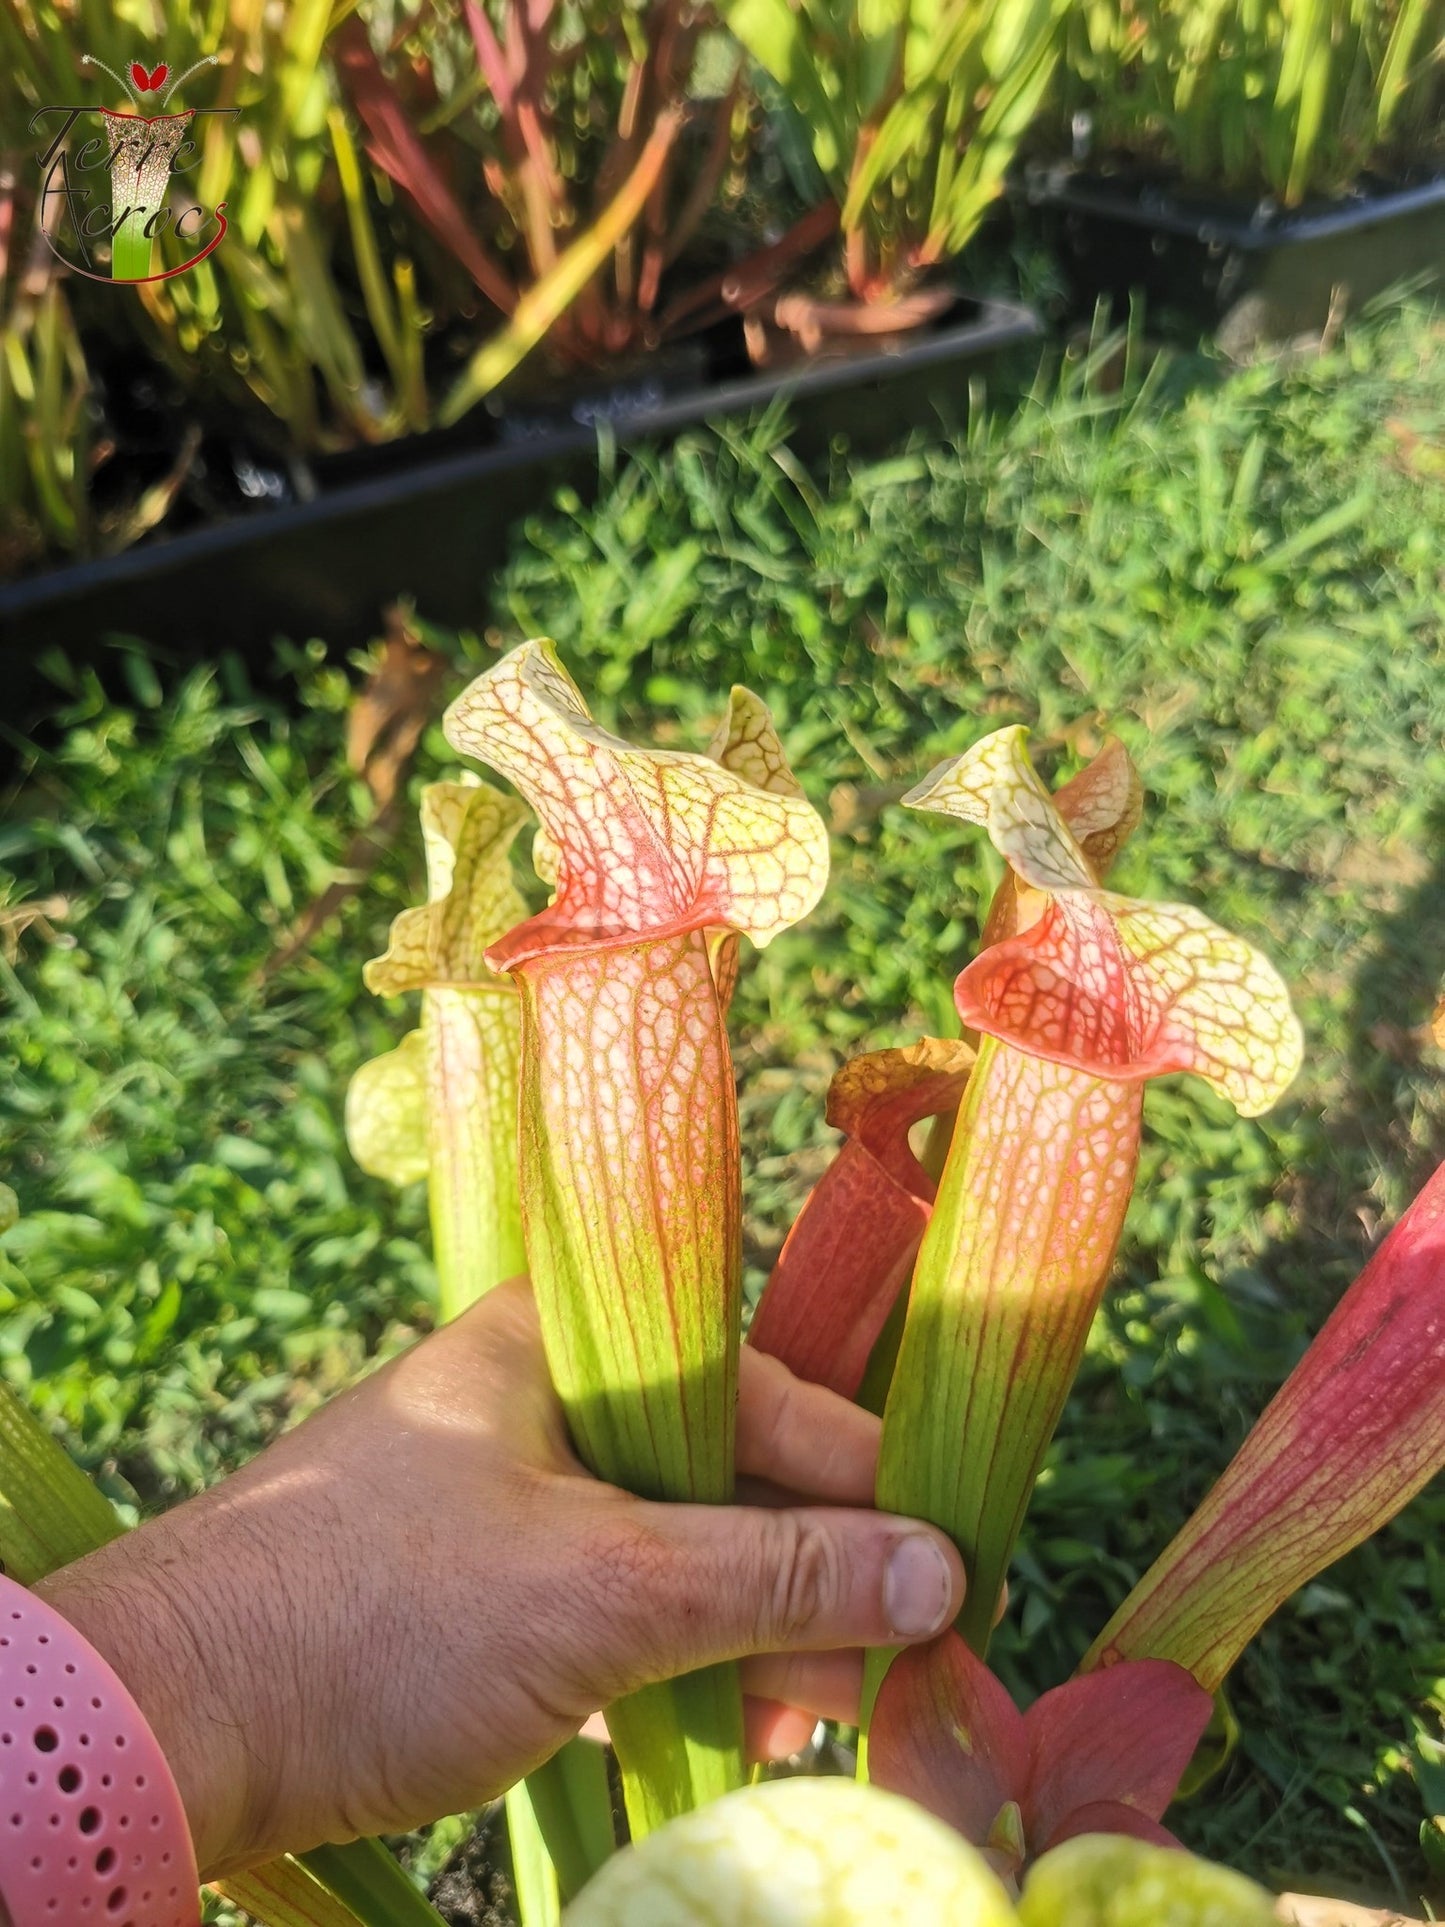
pixel 401 1607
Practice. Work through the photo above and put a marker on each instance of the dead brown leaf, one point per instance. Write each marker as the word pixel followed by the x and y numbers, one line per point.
pixel 1421 455
pixel 1315 1910
pixel 388 717
pixel 1400 1045
pixel 385 726
pixel 39 913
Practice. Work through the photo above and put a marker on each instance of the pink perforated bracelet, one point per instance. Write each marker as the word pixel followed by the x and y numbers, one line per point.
pixel 92 1830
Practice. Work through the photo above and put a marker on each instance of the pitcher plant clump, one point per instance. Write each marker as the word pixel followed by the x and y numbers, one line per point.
pixel 945 1269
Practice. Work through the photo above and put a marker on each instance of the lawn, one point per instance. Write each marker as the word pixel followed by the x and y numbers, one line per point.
pixel 1236 571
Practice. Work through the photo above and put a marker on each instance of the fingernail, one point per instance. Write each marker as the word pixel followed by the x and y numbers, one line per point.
pixel 916 1587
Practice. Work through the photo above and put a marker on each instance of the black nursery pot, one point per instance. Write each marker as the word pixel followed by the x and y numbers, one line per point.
pixel 429 517
pixel 1252 271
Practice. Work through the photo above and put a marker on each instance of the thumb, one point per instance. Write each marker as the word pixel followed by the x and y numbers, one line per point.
pixel 704 1583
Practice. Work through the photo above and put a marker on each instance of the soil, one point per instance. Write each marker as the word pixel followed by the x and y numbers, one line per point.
pixel 471 1890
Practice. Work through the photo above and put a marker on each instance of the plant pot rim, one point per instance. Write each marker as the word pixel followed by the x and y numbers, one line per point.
pixel 1173 206
pixel 519 446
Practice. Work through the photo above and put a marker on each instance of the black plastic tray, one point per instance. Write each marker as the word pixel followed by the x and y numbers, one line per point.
pixel 1253 271
pixel 434 527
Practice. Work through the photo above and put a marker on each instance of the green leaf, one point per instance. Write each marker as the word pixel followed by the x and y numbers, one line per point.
pixel 284 1894
pixel 786 43
pixel 281 1306
pixel 1428 1759
pixel 1215 1749
pixel 365 1877
pixel 570 1800
pixel 533 1873
pixel 50 1513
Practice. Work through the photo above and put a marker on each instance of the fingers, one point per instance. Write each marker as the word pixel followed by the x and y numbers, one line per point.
pixel 825 1686
pixel 803 1437
pixel 772 1732
pixel 784 1697
pixel 683 1585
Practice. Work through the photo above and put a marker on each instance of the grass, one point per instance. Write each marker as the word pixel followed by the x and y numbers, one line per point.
pixel 1236 571
pixel 198 1256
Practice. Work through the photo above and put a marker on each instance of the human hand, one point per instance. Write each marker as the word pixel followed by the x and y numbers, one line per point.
pixel 403 1606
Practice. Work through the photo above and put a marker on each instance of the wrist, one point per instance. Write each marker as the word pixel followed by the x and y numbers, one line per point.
pixel 149 1622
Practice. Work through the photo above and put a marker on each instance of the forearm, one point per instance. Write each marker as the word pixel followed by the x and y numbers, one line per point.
pixel 269 1631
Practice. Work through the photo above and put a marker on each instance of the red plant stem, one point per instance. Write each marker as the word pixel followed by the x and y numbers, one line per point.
pixel 817 321
pixel 671 50
pixel 745 283
pixel 493 64
pixel 7 222
pixel 394 146
pixel 616 165
pixel 543 190
pixel 513 78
